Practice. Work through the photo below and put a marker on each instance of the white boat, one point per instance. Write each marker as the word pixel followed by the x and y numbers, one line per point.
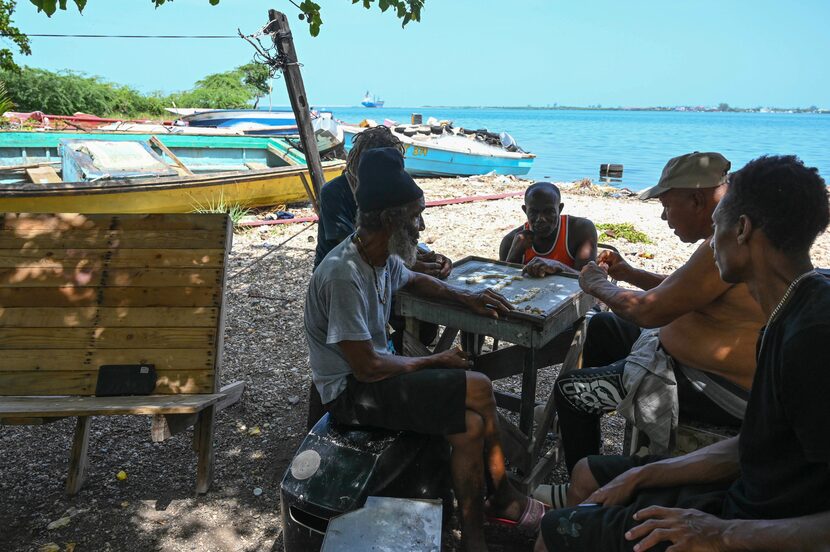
pixel 440 150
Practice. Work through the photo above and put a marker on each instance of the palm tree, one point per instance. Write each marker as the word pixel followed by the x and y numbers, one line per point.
pixel 6 103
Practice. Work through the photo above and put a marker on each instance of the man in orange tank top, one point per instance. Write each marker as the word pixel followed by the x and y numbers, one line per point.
pixel 549 241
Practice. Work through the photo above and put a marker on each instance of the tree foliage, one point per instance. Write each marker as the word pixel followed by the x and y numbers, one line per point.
pixel 68 92
pixel 229 90
pixel 12 33
pixel 405 10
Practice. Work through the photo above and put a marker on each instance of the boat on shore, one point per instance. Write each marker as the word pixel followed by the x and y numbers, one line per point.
pixel 196 172
pixel 440 150
pixel 249 121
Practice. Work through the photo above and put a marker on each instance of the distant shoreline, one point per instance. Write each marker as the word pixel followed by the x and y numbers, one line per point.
pixel 676 109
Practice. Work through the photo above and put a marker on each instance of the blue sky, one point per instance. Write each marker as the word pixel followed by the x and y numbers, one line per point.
pixel 474 52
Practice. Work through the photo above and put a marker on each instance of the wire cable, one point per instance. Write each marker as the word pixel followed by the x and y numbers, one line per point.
pixel 163 37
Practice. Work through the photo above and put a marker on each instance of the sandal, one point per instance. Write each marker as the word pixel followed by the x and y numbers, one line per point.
pixel 530 520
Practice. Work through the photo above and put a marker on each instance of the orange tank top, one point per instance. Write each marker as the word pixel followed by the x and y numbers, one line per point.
pixel 559 251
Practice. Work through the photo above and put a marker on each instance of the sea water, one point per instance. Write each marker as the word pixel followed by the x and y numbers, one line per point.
pixel 570 145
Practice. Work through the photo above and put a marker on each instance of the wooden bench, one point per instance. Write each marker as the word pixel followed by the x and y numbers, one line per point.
pixel 78 292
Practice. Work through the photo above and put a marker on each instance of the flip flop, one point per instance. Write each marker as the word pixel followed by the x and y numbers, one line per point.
pixel 530 520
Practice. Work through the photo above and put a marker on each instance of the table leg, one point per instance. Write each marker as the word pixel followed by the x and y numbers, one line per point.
pixel 528 393
pixel 528 396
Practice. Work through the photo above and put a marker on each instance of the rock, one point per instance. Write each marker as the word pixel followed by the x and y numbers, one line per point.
pixel 257 491
pixel 254 431
pixel 121 476
pixel 58 523
pixel 293 399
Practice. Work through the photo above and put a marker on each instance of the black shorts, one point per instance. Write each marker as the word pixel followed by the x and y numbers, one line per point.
pixel 595 528
pixel 430 401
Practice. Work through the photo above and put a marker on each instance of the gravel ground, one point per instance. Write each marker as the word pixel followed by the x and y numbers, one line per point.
pixel 155 508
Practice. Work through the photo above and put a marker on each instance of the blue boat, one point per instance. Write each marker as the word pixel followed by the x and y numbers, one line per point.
pixel 452 154
pixel 371 101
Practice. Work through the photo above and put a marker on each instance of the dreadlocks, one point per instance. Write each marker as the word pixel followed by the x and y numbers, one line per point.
pixel 371 138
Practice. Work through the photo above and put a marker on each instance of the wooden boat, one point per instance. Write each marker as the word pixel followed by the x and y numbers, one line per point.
pixel 451 154
pixel 250 121
pixel 210 173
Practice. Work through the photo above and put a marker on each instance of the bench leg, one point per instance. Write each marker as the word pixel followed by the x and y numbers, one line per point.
pixel 203 441
pixel 78 457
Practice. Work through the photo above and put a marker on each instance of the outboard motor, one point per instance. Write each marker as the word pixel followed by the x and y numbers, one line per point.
pixel 337 467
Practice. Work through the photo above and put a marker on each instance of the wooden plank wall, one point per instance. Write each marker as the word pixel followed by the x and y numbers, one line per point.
pixel 81 291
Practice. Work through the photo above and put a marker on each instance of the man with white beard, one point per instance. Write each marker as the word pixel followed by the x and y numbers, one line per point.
pixel 362 383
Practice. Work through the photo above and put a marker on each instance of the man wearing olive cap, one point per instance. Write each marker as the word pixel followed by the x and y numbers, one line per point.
pixel 681 346
pixel 361 383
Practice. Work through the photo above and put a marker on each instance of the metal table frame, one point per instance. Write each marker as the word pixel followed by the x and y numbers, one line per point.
pixel 538 341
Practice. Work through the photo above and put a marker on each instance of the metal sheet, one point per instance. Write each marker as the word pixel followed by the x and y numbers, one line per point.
pixel 549 293
pixel 387 525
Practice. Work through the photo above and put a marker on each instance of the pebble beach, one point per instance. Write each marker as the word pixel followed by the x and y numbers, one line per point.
pixel 153 507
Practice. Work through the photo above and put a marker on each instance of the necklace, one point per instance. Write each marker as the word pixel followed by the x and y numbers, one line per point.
pixel 780 306
pixel 381 296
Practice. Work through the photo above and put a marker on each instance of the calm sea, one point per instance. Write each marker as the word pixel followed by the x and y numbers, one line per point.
pixel 570 145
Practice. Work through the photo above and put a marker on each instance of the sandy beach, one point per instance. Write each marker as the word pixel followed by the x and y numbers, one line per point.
pixel 155 508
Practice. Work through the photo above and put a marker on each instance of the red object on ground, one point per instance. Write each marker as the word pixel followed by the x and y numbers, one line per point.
pixel 436 203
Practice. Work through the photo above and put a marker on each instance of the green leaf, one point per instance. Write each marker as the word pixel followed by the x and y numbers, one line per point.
pixel 383 5
pixel 47 6
pixel 406 19
pixel 367 4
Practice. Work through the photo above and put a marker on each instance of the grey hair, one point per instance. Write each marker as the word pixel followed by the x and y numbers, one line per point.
pixel 374 220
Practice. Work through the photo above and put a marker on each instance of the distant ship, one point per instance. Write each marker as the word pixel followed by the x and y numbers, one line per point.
pixel 371 101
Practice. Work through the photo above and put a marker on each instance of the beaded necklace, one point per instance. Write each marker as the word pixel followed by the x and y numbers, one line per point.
pixel 381 296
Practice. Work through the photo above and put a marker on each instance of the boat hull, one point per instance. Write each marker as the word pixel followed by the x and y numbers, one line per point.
pixel 230 170
pixel 428 160
pixel 168 195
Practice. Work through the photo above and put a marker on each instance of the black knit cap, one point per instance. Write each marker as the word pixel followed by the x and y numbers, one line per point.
pixel 383 182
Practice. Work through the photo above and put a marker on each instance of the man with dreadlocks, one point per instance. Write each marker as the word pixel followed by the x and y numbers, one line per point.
pixel 362 383
pixel 338 213
pixel 338 208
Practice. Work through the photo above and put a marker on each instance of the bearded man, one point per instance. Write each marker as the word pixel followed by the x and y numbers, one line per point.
pixel 362 383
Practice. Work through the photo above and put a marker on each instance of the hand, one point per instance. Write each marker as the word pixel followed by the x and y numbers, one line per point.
pixel 592 275
pixel 489 303
pixel 446 267
pixel 454 358
pixel 613 262
pixel 427 263
pixel 539 267
pixel 617 492
pixel 687 530
pixel 522 240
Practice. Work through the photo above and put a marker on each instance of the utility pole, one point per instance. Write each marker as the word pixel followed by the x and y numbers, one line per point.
pixel 281 34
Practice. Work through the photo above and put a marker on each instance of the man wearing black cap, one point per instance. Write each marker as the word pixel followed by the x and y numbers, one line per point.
pixel 687 339
pixel 361 383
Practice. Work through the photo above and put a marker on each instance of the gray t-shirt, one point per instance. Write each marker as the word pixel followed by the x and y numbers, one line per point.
pixel 343 304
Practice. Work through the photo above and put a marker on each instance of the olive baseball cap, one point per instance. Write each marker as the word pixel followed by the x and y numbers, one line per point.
pixel 692 170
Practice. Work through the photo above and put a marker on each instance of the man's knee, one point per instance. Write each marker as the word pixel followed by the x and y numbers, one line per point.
pixel 583 483
pixel 479 388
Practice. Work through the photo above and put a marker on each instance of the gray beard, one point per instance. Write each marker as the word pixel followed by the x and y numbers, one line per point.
pixel 400 244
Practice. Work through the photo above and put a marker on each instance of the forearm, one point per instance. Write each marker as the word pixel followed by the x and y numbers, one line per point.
pixel 643 279
pixel 516 254
pixel 381 367
pixel 432 288
pixel 804 534
pixel 628 304
pixel 715 463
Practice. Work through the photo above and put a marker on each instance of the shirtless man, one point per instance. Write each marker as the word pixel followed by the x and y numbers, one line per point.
pixel 566 242
pixel 703 330
pixel 768 488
